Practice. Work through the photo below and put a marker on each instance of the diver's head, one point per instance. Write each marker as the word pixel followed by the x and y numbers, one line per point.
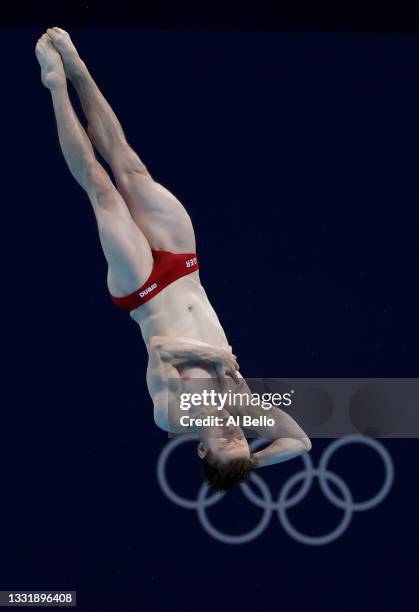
pixel 226 460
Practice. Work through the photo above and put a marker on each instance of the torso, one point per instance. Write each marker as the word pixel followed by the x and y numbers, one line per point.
pixel 182 309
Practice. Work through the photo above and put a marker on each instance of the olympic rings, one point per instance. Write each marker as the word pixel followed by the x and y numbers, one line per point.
pixel 388 464
pixel 284 502
pixel 315 540
pixel 242 538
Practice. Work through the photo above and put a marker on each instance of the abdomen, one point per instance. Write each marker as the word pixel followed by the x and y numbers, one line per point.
pixel 181 309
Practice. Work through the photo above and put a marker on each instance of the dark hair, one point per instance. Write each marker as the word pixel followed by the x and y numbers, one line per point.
pixel 222 476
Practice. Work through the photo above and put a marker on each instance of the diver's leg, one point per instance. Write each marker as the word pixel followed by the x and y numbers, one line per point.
pixel 158 213
pixel 125 247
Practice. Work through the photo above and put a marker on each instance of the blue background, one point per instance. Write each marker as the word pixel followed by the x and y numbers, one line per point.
pixel 296 156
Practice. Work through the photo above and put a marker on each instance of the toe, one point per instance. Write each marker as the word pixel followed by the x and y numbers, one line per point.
pixel 39 46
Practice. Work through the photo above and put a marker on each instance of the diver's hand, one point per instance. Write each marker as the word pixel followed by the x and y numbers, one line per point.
pixel 226 364
pixel 183 350
pixel 220 357
pixel 224 359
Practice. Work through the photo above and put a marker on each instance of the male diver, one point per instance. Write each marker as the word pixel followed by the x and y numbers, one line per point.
pixel 149 244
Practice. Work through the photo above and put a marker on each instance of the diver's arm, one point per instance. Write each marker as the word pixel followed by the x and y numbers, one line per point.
pixel 164 385
pixel 281 450
pixel 177 351
pixel 287 438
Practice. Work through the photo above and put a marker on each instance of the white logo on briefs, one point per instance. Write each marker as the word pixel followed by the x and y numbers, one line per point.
pixel 151 288
pixel 191 262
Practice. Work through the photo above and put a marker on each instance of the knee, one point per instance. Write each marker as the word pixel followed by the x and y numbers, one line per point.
pixel 102 192
pixel 127 163
pixel 96 180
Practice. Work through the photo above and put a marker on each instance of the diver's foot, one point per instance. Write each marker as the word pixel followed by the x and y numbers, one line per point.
pixel 52 69
pixel 73 64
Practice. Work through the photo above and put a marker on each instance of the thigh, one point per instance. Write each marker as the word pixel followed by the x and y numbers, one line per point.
pixel 125 247
pixel 157 212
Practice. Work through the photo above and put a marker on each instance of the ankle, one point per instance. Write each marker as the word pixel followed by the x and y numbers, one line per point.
pixel 54 81
pixel 78 71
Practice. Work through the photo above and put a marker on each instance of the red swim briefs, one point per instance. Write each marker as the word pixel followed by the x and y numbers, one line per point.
pixel 167 268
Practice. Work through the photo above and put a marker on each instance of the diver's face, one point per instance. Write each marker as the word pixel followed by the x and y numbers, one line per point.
pixel 224 448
